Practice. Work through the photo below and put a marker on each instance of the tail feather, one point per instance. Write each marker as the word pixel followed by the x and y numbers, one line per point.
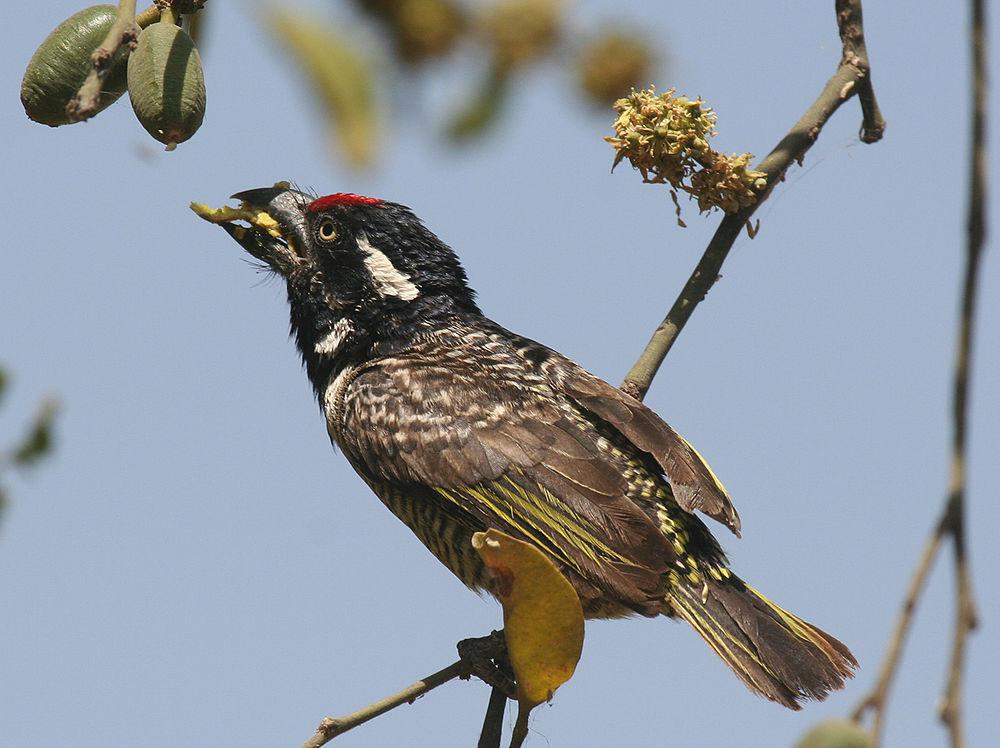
pixel 776 653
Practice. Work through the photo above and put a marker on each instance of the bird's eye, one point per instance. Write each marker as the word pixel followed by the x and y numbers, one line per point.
pixel 327 231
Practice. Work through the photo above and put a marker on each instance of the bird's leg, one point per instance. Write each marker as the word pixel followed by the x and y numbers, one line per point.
pixel 487 659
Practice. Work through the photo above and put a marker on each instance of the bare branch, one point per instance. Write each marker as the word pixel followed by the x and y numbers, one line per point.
pixel 952 521
pixel 331 727
pixel 484 657
pixel 123 31
pixel 149 16
pixel 852 77
pixel 876 699
pixel 493 722
pixel 856 55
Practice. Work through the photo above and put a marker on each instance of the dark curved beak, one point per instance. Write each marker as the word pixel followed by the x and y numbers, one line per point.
pixel 286 206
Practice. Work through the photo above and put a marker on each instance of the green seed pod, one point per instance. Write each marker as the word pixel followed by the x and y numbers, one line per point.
pixel 837 733
pixel 166 83
pixel 61 64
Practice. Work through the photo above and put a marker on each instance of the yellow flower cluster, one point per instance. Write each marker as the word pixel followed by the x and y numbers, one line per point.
pixel 728 183
pixel 666 138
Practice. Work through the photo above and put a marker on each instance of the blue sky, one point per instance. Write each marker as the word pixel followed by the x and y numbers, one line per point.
pixel 196 566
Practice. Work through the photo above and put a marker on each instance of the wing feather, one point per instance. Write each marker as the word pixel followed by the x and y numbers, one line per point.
pixel 694 485
pixel 531 470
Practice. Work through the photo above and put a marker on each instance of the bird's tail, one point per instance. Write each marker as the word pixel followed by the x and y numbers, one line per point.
pixel 777 654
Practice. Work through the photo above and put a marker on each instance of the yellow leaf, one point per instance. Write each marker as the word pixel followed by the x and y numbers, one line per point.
pixel 543 620
pixel 341 78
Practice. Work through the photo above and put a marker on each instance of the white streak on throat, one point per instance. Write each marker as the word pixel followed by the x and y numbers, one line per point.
pixel 388 280
pixel 329 344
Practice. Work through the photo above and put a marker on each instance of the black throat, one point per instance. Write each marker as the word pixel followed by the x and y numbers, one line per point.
pixel 330 340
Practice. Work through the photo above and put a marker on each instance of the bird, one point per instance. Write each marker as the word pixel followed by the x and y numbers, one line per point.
pixel 459 425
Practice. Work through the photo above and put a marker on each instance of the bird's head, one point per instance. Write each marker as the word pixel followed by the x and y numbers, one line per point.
pixel 354 250
pixel 346 257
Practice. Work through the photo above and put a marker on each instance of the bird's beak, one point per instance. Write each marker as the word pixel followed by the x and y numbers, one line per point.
pixel 277 217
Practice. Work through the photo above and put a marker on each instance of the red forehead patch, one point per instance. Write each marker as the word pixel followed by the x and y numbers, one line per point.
pixel 341 198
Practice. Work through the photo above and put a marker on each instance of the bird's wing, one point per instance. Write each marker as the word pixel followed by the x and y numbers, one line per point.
pixel 515 460
pixel 695 486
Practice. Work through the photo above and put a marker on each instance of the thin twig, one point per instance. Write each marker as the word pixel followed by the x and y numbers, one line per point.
pixel 852 77
pixel 875 700
pixel 331 727
pixel 484 657
pixel 849 21
pixel 123 31
pixel 493 722
pixel 952 522
pixel 149 16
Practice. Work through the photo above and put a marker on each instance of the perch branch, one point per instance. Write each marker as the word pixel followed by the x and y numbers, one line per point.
pixel 491 664
pixel 851 77
pixel 484 657
pixel 492 731
pixel 331 727
pixel 952 522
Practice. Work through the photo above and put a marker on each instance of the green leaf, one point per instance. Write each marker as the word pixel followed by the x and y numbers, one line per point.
pixel 38 442
pixel 340 76
pixel 482 111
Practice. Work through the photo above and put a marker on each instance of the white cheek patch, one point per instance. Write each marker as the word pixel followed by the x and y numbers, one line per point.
pixel 329 344
pixel 388 280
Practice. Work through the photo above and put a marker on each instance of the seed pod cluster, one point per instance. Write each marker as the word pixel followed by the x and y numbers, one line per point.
pixel 166 83
pixel 163 73
pixel 61 64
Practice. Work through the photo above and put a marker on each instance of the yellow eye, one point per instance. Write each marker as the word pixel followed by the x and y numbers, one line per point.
pixel 327 231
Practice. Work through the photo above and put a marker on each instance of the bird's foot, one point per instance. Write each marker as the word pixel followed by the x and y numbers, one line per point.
pixel 487 659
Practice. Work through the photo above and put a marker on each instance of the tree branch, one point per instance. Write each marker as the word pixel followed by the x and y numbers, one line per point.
pixel 851 77
pixel 952 521
pixel 954 518
pixel 852 36
pixel 123 31
pixel 484 657
pixel 493 722
pixel 877 697
pixel 331 727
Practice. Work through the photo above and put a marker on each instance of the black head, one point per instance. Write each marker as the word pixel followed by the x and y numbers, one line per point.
pixel 360 271
pixel 363 250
